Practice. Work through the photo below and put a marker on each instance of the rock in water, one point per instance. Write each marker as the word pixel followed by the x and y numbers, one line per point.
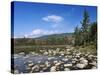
pixel 45 53
pixel 30 64
pixel 16 71
pixel 22 53
pixel 67 65
pixel 81 66
pixel 53 69
pixel 94 67
pixel 66 69
pixel 65 59
pixel 55 61
pixel 90 56
pixel 47 64
pixel 57 64
pixel 35 68
pixel 93 63
pixel 39 61
pixel 42 65
pixel 83 61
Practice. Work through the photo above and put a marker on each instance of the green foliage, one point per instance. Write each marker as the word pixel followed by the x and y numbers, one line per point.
pixel 87 33
pixel 77 36
pixel 91 49
pixel 93 33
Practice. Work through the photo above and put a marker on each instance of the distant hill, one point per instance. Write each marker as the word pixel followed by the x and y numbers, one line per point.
pixel 55 36
pixel 54 39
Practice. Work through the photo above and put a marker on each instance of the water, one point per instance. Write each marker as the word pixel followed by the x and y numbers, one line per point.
pixel 21 60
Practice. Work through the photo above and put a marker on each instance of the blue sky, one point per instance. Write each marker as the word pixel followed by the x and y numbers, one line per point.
pixel 37 19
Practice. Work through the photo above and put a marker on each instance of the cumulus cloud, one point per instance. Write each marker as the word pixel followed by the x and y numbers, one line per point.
pixel 37 32
pixel 40 32
pixel 52 18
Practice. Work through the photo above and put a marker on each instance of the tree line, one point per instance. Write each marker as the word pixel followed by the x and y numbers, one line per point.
pixel 67 40
pixel 87 33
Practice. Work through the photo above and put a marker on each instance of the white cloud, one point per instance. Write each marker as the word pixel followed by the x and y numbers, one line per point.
pixel 53 18
pixel 41 32
pixel 37 32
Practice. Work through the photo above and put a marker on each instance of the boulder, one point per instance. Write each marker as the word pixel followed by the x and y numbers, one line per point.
pixel 53 69
pixel 65 59
pixel 47 64
pixel 94 67
pixel 22 53
pixel 55 61
pixel 45 53
pixel 16 71
pixel 42 65
pixel 81 66
pixel 93 63
pixel 68 65
pixel 35 68
pixel 66 69
pixel 83 61
pixel 57 64
pixel 30 64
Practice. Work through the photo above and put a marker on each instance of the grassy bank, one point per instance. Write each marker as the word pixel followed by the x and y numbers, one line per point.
pixel 84 49
pixel 87 49
pixel 36 48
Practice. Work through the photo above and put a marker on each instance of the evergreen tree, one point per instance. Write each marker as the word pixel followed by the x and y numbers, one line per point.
pixel 77 36
pixel 87 34
pixel 93 33
pixel 85 27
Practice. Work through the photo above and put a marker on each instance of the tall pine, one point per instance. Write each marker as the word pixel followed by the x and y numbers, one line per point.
pixel 85 27
pixel 77 36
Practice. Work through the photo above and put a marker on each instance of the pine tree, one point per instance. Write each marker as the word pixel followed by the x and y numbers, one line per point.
pixel 85 27
pixel 93 33
pixel 77 36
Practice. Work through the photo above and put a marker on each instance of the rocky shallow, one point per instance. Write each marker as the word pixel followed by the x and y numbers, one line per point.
pixel 52 60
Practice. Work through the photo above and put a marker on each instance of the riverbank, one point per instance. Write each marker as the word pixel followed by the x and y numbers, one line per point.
pixel 57 59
